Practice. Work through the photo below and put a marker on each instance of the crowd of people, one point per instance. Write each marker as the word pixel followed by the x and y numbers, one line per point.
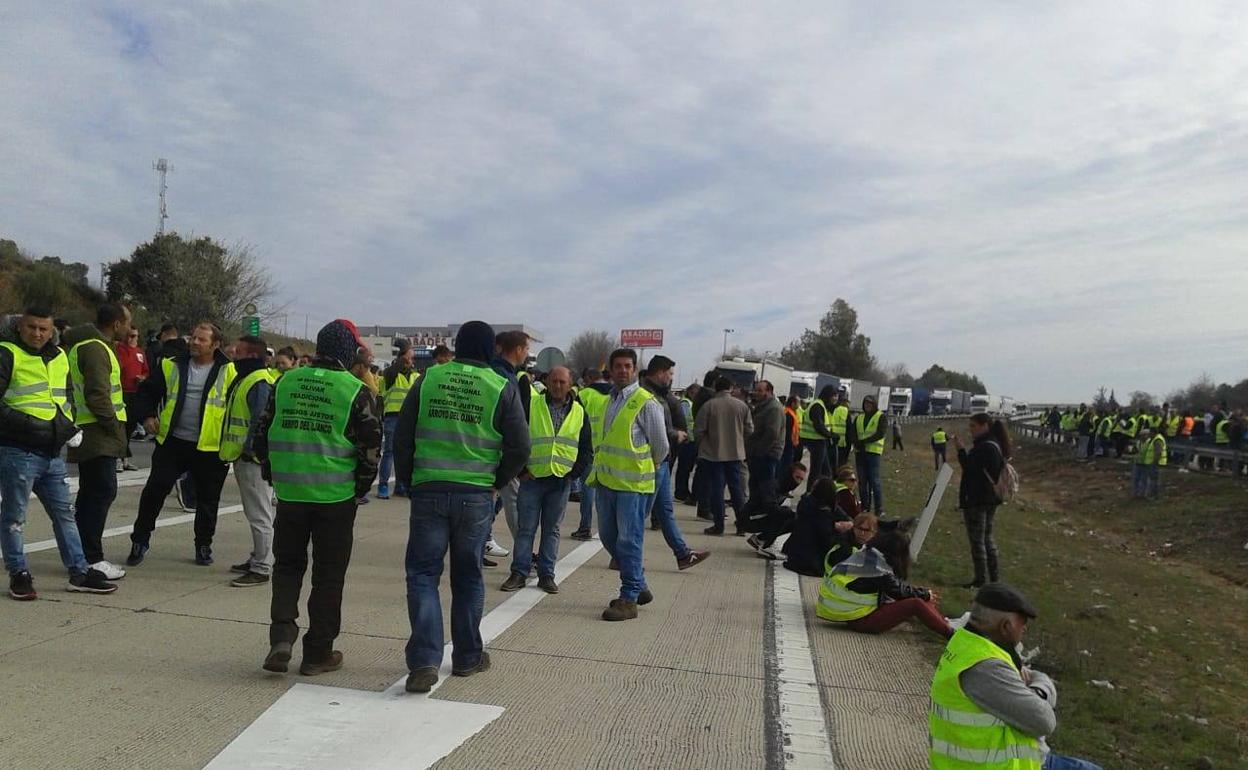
pixel 477 434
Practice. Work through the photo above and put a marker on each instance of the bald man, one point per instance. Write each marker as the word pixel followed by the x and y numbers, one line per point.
pixel 562 447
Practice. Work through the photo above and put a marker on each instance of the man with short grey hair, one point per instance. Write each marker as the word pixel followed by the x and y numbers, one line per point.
pixel 988 709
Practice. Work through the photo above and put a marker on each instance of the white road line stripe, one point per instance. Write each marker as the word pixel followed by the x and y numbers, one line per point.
pixel 802 723
pixel 165 521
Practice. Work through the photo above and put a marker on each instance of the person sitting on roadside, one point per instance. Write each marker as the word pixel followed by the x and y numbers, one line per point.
pixel 816 526
pixel 868 592
pixel 985 704
pixel 765 512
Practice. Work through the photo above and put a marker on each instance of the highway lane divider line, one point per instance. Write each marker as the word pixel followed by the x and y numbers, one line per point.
pixel 797 729
pixel 313 726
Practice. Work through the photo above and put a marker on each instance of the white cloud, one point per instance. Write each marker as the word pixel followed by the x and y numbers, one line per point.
pixel 1046 195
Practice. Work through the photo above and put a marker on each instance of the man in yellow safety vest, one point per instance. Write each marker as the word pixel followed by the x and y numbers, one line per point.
pixel 396 383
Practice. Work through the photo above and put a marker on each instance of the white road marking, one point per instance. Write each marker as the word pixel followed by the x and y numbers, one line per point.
pixel 312 726
pixel 802 724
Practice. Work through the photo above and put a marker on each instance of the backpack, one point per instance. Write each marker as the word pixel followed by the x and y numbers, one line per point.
pixel 1006 484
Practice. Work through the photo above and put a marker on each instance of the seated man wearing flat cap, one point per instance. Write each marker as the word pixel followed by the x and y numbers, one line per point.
pixel 988 710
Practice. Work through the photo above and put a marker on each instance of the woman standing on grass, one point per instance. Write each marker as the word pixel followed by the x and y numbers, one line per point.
pixel 977 495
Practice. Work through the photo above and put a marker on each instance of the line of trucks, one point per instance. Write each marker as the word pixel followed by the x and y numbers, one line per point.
pixel 917 401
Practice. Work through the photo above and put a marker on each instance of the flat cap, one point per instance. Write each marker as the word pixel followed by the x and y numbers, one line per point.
pixel 1005 598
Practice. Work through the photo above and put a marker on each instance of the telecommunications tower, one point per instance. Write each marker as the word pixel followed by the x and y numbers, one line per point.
pixel 162 167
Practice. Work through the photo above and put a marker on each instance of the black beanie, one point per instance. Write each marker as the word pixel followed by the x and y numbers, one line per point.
pixel 475 341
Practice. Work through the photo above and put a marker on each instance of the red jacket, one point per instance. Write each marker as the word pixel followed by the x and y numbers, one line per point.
pixel 133 366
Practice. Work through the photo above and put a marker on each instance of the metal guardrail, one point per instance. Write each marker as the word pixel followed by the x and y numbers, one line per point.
pixel 1183 453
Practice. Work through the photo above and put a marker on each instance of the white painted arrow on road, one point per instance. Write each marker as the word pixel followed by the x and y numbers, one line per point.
pixel 312 726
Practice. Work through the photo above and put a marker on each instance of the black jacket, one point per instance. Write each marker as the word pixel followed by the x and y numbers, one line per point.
pixel 976 489
pixel 153 390
pixel 20 430
pixel 673 415
pixel 814 534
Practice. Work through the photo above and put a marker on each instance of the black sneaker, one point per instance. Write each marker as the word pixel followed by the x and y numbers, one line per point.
pixel 22 587
pixel 644 597
pixel 482 665
pixel 203 555
pixel 582 534
pixel 487 562
pixel 547 583
pixel 713 530
pixel 242 567
pixel 90 582
pixel 278 659
pixel 362 500
pixel 251 579
pixel 137 552
pixel 422 679
pixel 654 525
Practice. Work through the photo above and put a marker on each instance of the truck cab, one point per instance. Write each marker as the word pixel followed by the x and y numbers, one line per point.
pixel 900 400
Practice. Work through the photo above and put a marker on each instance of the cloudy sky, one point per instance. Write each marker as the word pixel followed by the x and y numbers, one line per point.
pixel 1052 197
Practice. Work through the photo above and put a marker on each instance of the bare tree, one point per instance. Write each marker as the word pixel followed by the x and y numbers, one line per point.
pixel 589 350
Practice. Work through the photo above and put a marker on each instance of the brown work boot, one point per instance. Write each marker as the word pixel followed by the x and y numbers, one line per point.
pixel 278 659
pixel 331 662
pixel 482 665
pixel 514 582
pixel 547 583
pixel 620 610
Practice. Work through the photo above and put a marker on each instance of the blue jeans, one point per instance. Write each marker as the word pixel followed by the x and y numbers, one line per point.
pixel 719 473
pixel 460 522
pixel 621 526
pixel 587 501
pixel 1145 480
pixel 541 502
pixel 1059 762
pixel 388 424
pixel 21 473
pixel 870 493
pixel 663 508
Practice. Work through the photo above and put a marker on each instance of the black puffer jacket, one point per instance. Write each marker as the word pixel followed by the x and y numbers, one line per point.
pixel 18 429
pixel 982 461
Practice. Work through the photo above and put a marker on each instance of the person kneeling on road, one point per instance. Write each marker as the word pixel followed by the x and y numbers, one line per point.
pixel 868 591
pixel 823 519
pixel 987 708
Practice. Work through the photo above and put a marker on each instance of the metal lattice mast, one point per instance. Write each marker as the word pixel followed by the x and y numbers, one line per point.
pixel 162 167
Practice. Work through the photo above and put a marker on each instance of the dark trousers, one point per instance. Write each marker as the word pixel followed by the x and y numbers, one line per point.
pixel 978 520
pixel 939 452
pixel 97 488
pixel 779 520
pixel 818 465
pixel 169 461
pixel 700 492
pixel 763 472
pixel 686 458
pixel 897 442
pixel 720 474
pixel 132 418
pixel 328 526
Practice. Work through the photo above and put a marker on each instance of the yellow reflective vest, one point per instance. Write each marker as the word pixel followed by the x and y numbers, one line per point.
pixel 37 388
pixel 553 453
pixel 213 404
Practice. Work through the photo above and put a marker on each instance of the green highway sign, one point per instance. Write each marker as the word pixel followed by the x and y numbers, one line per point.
pixel 252 324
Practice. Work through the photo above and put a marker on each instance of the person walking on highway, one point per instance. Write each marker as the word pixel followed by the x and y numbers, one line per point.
pixel 703 501
pixel 244 403
pixel 658 381
pixel 134 369
pixel 687 454
pixel 318 439
pixel 593 398
pixel 461 438
pixel 34 426
pixel 634 444
pixel 723 425
pixel 818 440
pixel 869 431
pixel 940 442
pixel 100 412
pixel 792 434
pixel 897 441
pixel 561 447
pixel 512 353
pixel 988 709
pixel 189 393
pixel 977 495
pixel 396 383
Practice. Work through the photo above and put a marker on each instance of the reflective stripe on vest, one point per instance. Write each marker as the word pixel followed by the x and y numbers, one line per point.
pixel 213 404
pixel 1154 452
pixel 961 734
pixel 809 421
pixel 37 388
pixel 82 414
pixel 456 440
pixel 939 437
pixel 1221 434
pixel 238 415
pixel 398 391
pixel 1172 428
pixel 551 453
pixel 313 461
pixel 595 404
pixel 866 428
pixel 618 463
pixel 837 602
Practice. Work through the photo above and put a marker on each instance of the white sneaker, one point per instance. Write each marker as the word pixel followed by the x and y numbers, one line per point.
pixel 960 621
pixel 111 571
pixel 769 553
pixel 494 549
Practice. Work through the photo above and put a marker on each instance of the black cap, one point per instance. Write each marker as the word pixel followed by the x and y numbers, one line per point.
pixel 1005 598
pixel 659 363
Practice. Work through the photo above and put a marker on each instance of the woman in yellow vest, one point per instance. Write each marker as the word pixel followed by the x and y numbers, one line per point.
pixel 868 591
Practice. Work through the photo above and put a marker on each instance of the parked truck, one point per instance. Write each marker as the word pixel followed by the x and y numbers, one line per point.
pixel 983 402
pixel 900 401
pixel 745 372
pixel 808 385
pixel 942 402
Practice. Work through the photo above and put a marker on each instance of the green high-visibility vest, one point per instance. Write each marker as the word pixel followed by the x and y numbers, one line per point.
pixel 808 431
pixel 238 414
pixel 37 388
pixel 961 735
pixel 1153 452
pixel 840 423
pixel 398 391
pixel 456 440
pixel 1064 424
pixel 213 401
pixel 865 428
pixel 553 453
pixel 313 461
pixel 82 414
pixel 837 602
pixel 686 409
pixel 1133 427
pixel 595 404
pixel 939 437
pixel 1221 433
pixel 1172 428
pixel 1107 426
pixel 618 463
